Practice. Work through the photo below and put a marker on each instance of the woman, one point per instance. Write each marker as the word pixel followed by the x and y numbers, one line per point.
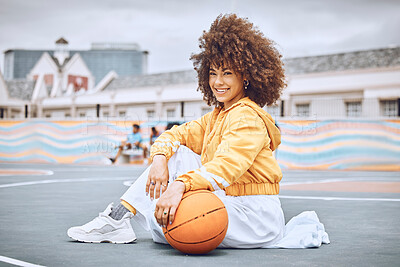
pixel 239 71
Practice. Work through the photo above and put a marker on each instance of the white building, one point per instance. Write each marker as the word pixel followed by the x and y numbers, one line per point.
pixel 362 84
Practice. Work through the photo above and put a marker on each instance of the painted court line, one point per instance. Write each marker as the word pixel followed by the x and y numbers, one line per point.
pixel 29 172
pixel 352 179
pixel 341 198
pixel 18 262
pixel 127 184
pixel 63 181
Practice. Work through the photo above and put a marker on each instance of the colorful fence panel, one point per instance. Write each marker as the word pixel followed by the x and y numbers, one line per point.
pixel 329 144
pixel 340 144
pixel 64 141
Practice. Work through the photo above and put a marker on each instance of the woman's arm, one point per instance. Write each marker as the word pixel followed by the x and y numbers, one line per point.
pixel 244 136
pixel 190 134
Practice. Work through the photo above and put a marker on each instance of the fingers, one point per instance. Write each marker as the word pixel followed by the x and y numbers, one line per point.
pixel 158 214
pixel 150 187
pixel 164 218
pixel 168 203
pixel 172 215
pixel 157 179
pixel 162 215
pixel 160 188
pixel 147 186
pixel 156 186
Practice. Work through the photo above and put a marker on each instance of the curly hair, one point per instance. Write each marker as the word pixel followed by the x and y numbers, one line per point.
pixel 234 43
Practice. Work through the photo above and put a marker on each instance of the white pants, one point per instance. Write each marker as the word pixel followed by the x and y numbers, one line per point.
pixel 255 221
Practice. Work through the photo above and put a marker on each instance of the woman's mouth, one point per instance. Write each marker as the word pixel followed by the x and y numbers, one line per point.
pixel 221 90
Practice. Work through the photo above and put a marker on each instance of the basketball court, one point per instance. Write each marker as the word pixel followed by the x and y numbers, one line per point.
pixel 360 211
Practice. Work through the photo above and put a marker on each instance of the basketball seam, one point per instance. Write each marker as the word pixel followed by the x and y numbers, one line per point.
pixel 202 215
pixel 200 192
pixel 193 243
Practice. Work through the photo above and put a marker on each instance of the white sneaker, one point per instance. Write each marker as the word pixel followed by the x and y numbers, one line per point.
pixel 105 229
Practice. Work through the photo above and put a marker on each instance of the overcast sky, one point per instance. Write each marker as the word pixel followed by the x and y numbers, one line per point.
pixel 169 29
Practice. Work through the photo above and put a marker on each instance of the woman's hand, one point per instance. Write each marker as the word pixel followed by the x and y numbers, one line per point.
pixel 168 203
pixel 158 177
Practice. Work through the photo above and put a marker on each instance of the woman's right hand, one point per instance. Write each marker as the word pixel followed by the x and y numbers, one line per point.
pixel 158 177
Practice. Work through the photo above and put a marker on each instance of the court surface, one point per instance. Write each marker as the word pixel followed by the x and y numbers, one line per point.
pixel 39 202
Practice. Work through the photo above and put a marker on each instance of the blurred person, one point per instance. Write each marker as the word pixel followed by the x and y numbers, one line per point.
pixel 133 141
pixel 172 124
pixel 153 135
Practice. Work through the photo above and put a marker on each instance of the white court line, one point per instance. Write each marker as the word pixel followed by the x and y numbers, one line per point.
pixel 18 262
pixel 43 172
pixel 334 180
pixel 63 181
pixel 341 198
pixel 126 183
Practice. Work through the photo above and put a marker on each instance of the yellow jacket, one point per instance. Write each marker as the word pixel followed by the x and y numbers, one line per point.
pixel 236 147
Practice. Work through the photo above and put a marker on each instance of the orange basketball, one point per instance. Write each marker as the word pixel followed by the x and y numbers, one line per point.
pixel 200 223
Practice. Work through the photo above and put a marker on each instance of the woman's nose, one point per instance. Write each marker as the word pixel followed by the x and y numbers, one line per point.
pixel 219 80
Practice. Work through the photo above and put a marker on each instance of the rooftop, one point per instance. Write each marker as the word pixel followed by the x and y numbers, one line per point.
pixel 178 77
pixel 61 41
pixel 377 58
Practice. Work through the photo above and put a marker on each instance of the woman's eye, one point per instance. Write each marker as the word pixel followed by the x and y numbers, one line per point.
pixel 227 73
pixel 212 73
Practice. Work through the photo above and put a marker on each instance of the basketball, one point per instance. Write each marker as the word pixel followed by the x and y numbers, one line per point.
pixel 200 223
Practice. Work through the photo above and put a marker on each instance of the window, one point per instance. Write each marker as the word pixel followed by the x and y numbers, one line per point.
pixel 105 114
pixel 170 113
pixel 67 115
pixel 82 114
pixel 303 110
pixel 353 109
pixel 205 110
pixel 121 113
pixel 389 108
pixel 151 114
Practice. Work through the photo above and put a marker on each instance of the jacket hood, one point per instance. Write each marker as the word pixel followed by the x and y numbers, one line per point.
pixel 272 129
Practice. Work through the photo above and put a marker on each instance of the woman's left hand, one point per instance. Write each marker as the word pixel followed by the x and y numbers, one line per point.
pixel 168 203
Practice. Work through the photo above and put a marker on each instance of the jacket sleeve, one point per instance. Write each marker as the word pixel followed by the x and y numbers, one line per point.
pixel 190 134
pixel 244 135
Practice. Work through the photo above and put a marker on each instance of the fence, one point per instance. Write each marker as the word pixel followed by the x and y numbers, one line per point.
pixel 326 144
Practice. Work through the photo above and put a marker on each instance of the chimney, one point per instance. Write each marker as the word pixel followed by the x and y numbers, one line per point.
pixel 61 53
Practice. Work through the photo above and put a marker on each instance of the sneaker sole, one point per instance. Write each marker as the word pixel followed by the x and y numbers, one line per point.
pixel 115 238
pixel 104 241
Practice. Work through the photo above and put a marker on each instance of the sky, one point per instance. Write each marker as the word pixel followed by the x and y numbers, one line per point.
pixel 169 29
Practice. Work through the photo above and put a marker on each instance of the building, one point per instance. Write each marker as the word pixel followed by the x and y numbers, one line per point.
pixel 359 84
pixel 124 59
pixel 362 84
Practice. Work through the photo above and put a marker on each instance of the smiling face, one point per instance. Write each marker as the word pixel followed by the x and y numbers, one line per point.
pixel 226 85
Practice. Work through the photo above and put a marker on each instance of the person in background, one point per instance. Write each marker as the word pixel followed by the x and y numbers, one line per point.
pixel 153 135
pixel 172 124
pixel 134 140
